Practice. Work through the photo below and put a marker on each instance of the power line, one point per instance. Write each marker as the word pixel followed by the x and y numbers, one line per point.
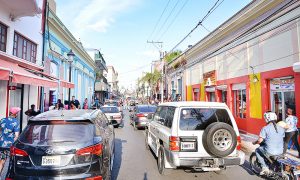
pixel 136 69
pixel 159 19
pixel 211 10
pixel 174 19
pixel 164 23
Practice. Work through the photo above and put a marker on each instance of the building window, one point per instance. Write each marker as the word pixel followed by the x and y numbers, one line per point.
pixel 240 103
pixel 3 35
pixel 24 48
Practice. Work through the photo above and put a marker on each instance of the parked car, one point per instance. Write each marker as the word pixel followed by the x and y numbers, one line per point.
pixel 198 135
pixel 113 114
pixel 114 103
pixel 138 116
pixel 64 145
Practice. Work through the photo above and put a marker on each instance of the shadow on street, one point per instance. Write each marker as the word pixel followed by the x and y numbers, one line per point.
pixel 118 158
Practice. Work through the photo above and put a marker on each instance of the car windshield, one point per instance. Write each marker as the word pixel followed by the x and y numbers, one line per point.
pixel 200 118
pixel 44 134
pixel 109 109
pixel 149 109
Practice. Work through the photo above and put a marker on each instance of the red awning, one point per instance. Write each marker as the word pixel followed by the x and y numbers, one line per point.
pixel 21 76
pixel 66 84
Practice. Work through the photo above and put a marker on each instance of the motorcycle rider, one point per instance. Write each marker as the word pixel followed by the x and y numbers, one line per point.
pixel 272 135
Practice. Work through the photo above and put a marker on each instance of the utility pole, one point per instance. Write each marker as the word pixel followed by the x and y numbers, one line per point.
pixel 158 45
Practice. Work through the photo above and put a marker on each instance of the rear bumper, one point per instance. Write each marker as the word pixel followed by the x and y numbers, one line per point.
pixel 205 162
pixel 83 176
pixel 141 124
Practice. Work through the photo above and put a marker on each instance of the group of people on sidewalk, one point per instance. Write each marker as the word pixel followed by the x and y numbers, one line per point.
pixel 275 137
pixel 72 105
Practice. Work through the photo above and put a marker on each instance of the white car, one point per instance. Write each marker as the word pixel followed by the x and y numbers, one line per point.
pixel 113 114
pixel 198 135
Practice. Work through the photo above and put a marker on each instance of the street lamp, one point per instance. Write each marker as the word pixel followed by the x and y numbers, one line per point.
pixel 70 60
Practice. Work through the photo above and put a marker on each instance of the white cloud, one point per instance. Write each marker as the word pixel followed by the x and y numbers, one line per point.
pixel 99 15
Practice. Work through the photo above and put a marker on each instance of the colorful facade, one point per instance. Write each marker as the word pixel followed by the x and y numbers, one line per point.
pixel 250 63
pixel 58 42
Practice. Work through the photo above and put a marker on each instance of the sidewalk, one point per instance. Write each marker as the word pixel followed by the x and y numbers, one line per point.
pixel 248 147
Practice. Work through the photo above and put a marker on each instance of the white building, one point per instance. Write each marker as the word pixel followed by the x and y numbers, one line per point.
pixel 112 79
pixel 21 45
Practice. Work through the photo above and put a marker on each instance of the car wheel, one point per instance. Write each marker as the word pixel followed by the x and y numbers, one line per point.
pixel 116 126
pixel 161 162
pixel 219 139
pixel 146 140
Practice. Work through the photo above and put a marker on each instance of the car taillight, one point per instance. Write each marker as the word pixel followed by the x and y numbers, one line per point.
pixel 174 143
pixel 17 152
pixel 94 178
pixel 8 179
pixel 239 143
pixel 96 150
pixel 140 115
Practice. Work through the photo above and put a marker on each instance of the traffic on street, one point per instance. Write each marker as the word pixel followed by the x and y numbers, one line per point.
pixel 149 90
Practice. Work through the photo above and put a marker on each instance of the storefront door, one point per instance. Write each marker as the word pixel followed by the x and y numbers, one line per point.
pixel 15 99
pixel 281 100
pixel 282 96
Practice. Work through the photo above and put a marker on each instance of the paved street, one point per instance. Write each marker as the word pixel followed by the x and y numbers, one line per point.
pixel 133 161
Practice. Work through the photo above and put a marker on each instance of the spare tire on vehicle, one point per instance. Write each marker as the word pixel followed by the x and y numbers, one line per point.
pixel 219 139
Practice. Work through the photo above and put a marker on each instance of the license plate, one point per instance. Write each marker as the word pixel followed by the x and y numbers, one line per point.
pixel 51 160
pixel 187 145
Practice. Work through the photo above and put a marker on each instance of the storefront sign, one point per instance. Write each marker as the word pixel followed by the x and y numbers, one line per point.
pixel 210 89
pixel 196 90
pixel 12 88
pixel 282 84
pixel 222 87
pixel 209 78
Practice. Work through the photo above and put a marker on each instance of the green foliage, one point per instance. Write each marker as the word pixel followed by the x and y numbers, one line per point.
pixel 169 57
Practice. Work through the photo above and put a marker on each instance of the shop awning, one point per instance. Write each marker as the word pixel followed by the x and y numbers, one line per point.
pixel 66 84
pixel 21 76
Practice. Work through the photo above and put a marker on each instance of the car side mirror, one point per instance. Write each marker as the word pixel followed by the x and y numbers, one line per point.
pixel 150 116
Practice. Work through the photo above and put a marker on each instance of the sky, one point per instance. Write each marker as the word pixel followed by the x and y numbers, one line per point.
pixel 121 28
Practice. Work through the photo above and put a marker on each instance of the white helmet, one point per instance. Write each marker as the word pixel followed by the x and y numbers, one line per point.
pixel 270 116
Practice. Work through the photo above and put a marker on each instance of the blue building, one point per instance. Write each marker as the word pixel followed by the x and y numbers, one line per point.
pixel 58 41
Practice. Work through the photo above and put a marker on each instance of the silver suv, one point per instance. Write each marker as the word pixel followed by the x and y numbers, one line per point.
pixel 199 135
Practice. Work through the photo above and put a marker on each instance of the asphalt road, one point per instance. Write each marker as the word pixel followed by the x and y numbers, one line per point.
pixel 134 162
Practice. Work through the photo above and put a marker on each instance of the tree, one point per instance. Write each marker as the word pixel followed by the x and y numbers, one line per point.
pixel 152 79
pixel 169 57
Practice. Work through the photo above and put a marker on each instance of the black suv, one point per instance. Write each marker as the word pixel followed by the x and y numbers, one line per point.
pixel 68 144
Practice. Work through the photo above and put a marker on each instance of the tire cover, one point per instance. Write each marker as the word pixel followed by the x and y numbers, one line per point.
pixel 207 139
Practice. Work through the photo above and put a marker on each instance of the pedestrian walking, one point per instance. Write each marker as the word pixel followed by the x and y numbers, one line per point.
pixel 75 102
pixel 291 132
pixel 9 133
pixel 32 112
pixel 85 104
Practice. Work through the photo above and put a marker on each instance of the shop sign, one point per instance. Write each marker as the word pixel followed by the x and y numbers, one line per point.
pixel 196 90
pixel 209 78
pixel 210 89
pixel 282 84
pixel 12 88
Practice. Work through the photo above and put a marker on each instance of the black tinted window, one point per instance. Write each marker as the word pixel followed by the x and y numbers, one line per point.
pixel 142 109
pixel 200 118
pixel 169 117
pixel 109 109
pixel 46 134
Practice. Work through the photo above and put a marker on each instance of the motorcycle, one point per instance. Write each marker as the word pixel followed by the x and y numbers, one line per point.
pixel 281 168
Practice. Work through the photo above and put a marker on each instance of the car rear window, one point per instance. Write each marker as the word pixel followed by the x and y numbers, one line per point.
pixel 199 118
pixel 109 109
pixel 111 103
pixel 43 134
pixel 143 109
